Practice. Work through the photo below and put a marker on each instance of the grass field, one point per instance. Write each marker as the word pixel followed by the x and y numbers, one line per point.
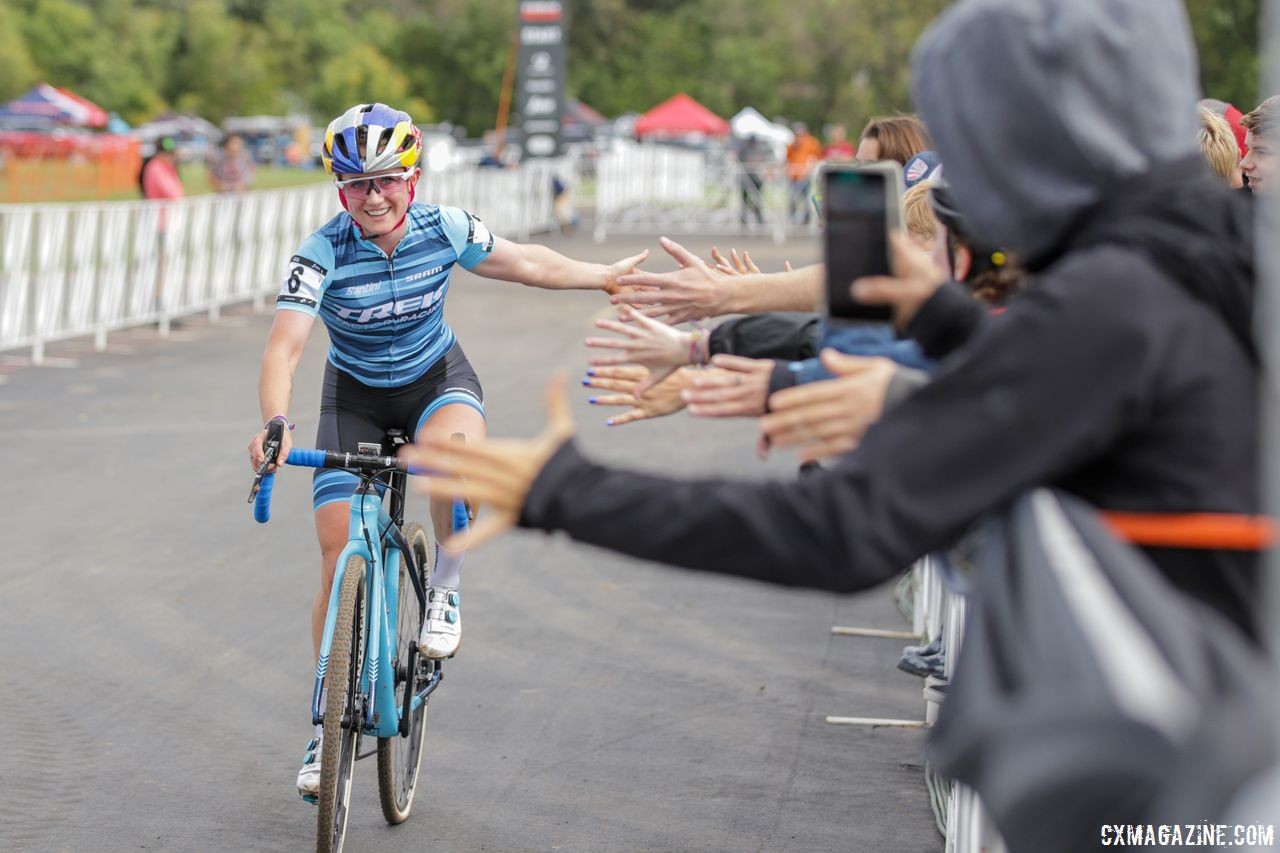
pixel 48 181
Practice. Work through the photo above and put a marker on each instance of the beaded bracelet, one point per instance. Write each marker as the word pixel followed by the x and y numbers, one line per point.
pixel 697 352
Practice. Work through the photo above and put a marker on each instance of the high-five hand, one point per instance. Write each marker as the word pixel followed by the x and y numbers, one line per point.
pixel 647 342
pixel 830 417
pixel 493 473
pixel 693 292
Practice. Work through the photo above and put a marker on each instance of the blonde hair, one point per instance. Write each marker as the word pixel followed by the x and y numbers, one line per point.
pixel 1218 144
pixel 917 213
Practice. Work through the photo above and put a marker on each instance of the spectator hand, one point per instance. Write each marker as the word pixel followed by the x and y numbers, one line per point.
pixel 663 398
pixel 693 292
pixel 739 266
pixel 914 280
pixel 739 388
pixel 646 342
pixel 829 418
pixel 493 473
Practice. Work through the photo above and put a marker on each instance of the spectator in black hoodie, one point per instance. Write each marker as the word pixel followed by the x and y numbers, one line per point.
pixel 1126 374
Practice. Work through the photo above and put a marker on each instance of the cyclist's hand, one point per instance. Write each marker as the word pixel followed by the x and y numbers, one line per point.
pixel 621 268
pixel 693 292
pixel 915 278
pixel 647 342
pixel 738 389
pixel 257 454
pixel 662 399
pixel 493 473
pixel 829 418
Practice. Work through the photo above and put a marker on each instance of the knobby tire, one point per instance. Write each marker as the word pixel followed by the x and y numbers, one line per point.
pixel 339 752
pixel 399 758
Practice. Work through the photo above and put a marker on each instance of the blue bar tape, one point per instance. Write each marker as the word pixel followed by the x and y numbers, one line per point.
pixel 262 506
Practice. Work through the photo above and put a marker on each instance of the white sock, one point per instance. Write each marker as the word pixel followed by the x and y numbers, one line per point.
pixel 448 571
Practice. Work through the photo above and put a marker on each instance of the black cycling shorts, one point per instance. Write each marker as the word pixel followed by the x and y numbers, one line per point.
pixel 352 412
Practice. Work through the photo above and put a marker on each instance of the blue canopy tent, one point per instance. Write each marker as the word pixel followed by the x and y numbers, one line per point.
pixel 56 106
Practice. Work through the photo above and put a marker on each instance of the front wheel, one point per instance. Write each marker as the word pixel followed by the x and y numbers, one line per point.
pixel 399 757
pixel 338 757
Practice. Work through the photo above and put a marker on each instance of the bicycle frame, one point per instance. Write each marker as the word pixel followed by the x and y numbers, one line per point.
pixel 374 697
pixel 381 716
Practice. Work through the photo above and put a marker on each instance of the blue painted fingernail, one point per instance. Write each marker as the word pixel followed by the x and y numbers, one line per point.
pixel 591 371
pixel 609 422
pixel 591 400
pixel 586 383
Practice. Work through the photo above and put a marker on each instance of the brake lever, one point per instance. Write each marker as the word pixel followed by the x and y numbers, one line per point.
pixel 270 452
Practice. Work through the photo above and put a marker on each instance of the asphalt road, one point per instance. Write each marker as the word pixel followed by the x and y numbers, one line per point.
pixel 158 668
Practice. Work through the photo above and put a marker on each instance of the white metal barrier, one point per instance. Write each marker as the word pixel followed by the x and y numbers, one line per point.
pixel 70 270
pixel 650 187
pixel 937 613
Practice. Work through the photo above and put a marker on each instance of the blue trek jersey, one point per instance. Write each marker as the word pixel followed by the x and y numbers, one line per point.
pixel 385 316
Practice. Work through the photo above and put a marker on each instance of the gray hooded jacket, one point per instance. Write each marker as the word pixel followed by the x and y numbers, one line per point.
pixel 1039 106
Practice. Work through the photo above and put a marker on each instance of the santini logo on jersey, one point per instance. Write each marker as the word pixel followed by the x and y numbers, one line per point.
pixel 392 310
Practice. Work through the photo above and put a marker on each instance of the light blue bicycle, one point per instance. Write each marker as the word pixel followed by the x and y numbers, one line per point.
pixel 378 685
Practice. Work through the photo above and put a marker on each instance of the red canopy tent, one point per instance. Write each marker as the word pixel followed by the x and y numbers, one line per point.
pixel 679 115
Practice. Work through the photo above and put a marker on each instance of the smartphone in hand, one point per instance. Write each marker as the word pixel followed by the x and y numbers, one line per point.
pixel 861 206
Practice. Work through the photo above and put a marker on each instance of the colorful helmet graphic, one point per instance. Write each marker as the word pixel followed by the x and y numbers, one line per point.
pixel 370 138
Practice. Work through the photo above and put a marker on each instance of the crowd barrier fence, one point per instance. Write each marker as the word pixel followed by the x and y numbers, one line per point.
pixel 642 188
pixel 937 611
pixel 71 270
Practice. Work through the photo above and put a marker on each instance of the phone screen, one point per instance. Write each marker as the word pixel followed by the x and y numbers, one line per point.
pixel 856 239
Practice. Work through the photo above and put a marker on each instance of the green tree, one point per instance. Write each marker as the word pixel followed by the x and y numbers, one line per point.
pixel 220 69
pixel 364 75
pixel 18 71
pixel 1227 35
pixel 64 41
pixel 454 59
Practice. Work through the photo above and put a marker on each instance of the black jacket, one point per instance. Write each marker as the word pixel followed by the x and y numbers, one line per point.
pixel 1108 378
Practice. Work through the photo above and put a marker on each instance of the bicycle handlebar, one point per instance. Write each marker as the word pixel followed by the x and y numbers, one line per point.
pixel 302 457
pixel 262 501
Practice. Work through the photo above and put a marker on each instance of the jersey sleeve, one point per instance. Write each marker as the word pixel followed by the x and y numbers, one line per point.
pixel 307 276
pixel 470 239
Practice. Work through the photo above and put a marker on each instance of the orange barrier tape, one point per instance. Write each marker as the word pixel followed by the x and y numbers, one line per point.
pixel 1193 530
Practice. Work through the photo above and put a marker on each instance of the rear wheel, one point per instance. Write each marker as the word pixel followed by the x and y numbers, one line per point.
pixel 399 757
pixel 343 682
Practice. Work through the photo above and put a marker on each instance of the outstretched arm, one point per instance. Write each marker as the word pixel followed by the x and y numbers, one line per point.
pixel 696 290
pixel 539 266
pixel 989 427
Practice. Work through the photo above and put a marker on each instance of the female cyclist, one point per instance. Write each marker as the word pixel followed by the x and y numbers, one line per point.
pixel 377 276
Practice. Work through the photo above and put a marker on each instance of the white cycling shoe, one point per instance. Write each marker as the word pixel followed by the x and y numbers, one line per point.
pixel 442 630
pixel 309 775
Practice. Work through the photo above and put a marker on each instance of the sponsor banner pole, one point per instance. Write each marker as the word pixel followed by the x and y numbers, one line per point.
pixel 541 72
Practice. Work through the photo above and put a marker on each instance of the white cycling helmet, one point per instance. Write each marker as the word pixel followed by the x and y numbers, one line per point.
pixel 370 138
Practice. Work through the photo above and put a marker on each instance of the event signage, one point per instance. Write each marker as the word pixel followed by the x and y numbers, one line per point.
pixel 540 87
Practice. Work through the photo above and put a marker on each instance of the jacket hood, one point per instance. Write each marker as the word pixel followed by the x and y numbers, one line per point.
pixel 1039 107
